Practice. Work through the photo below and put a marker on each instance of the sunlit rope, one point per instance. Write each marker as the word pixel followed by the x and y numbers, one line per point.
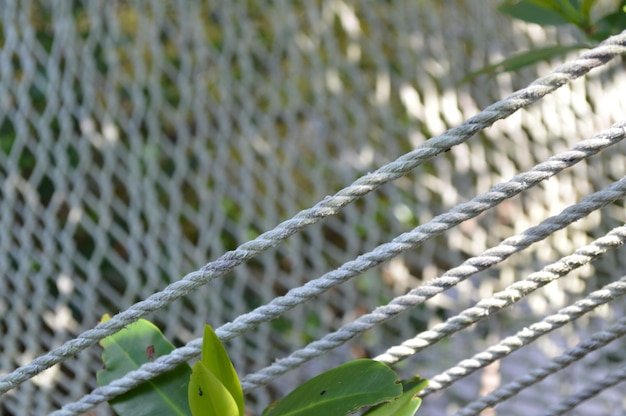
pixel 527 335
pixel 386 251
pixel 452 277
pixel 506 297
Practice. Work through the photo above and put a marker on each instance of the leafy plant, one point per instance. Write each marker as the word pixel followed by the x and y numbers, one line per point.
pixel 212 388
pixel 127 350
pixel 341 391
pixel 404 405
pixel 597 19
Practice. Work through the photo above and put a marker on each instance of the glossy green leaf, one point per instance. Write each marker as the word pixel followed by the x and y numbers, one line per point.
pixel 340 391
pixel 405 405
pixel 542 12
pixel 216 359
pixel 522 60
pixel 127 350
pixel 207 395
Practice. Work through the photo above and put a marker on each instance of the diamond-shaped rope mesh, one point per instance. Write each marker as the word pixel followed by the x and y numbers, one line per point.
pixel 141 140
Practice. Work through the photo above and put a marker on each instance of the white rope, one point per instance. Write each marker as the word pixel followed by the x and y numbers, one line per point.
pixel 598 340
pixel 595 387
pixel 598 56
pixel 526 336
pixel 452 277
pixel 508 296
pixel 384 252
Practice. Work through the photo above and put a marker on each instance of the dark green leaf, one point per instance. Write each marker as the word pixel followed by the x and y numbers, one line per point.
pixel 340 391
pixel 610 24
pixel 127 350
pixel 522 60
pixel 585 8
pixel 537 11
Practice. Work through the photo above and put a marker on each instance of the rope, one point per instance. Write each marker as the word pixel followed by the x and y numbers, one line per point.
pixel 526 336
pixel 593 389
pixel 563 74
pixel 383 252
pixel 598 340
pixel 510 295
pixel 452 277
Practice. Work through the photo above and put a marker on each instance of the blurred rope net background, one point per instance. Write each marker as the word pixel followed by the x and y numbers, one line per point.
pixel 141 140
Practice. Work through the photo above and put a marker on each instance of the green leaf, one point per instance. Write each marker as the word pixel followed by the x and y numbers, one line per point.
pixel 405 405
pixel 610 24
pixel 522 60
pixel 127 350
pixel 340 391
pixel 216 360
pixel 208 396
pixel 586 6
pixel 533 11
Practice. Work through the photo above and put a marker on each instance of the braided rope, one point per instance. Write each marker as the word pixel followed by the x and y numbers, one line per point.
pixel 452 277
pixel 598 56
pixel 525 336
pixel 598 340
pixel 382 253
pixel 506 297
pixel 592 390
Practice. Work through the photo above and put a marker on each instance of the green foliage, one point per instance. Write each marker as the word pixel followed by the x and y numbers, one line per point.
pixel 208 396
pixel 542 12
pixel 577 12
pixel 556 12
pixel 524 59
pixel 610 24
pixel 214 388
pixel 127 350
pixel 404 405
pixel 341 391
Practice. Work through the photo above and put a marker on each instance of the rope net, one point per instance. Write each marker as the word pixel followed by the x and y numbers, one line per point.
pixel 346 196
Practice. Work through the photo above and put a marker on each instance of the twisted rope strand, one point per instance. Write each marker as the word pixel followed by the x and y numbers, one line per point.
pixel 449 279
pixel 508 296
pixel 598 56
pixel 525 336
pixel 296 296
pixel 593 389
pixel 598 340
pixel 413 238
